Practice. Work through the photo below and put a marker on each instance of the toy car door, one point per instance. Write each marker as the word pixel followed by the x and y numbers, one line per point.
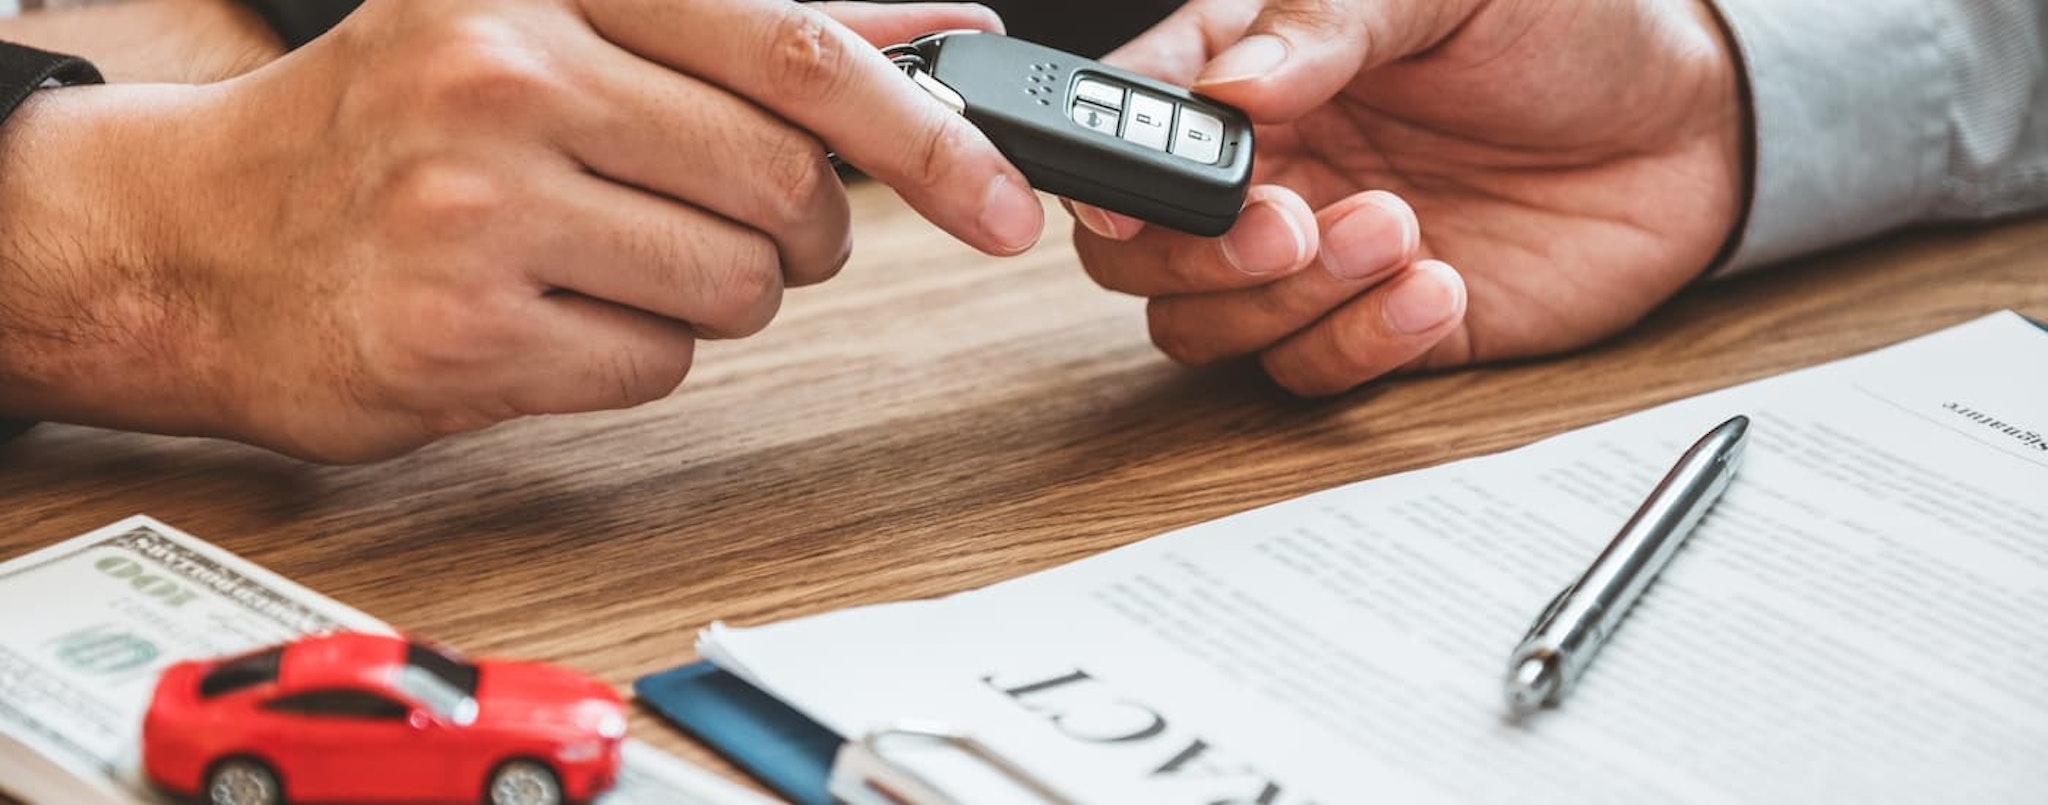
pixel 355 745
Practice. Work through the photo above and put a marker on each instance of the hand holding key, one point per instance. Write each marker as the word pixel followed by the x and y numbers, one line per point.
pixel 1576 163
pixel 444 215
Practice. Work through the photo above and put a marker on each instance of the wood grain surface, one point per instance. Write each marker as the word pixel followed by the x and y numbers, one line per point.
pixel 931 421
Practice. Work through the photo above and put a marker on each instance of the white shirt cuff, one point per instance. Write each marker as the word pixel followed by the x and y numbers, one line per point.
pixel 1850 120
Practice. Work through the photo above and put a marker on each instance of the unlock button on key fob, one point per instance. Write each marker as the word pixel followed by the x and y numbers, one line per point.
pixel 1098 105
pixel 1095 117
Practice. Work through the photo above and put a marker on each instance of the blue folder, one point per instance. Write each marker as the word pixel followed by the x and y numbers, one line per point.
pixel 779 746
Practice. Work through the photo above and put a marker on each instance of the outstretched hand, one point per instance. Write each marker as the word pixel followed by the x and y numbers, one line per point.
pixel 1437 183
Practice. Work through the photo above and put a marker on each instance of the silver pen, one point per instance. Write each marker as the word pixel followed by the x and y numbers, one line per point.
pixel 1578 622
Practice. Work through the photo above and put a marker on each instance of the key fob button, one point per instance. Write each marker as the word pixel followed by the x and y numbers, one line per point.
pixel 1151 120
pixel 1198 135
pixel 1095 117
pixel 1101 93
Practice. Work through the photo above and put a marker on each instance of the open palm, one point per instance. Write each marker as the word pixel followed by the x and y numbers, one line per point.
pixel 1568 166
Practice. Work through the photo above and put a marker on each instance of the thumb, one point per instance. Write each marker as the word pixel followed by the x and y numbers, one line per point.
pixel 1300 53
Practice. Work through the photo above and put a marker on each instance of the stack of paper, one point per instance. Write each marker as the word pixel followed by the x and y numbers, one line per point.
pixel 1863 618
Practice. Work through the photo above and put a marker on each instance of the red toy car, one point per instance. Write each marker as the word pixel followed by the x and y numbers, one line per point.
pixel 353 717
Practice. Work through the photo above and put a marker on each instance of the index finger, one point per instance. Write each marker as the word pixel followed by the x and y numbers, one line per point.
pixel 811 69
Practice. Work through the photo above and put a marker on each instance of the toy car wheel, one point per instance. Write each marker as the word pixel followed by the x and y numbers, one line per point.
pixel 243 781
pixel 523 782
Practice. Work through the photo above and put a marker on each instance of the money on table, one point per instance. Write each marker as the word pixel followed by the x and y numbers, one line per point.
pixel 88 623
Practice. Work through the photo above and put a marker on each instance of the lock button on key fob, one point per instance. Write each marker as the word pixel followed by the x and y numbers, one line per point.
pixel 1092 133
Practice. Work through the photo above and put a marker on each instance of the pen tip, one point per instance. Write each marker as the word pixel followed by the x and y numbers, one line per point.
pixel 1531 684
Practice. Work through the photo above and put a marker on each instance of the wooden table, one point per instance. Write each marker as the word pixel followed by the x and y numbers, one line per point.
pixel 931 421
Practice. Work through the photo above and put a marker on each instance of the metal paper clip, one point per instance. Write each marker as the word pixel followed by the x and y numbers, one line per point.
pixel 863 774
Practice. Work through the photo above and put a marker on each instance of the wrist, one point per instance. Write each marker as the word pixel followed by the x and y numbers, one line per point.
pixel 93 328
pixel 1726 116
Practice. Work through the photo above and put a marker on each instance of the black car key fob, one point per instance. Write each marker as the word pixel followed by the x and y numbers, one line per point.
pixel 1090 132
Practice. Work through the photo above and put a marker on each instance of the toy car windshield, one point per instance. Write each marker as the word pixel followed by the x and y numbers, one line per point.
pixel 241 673
pixel 442 683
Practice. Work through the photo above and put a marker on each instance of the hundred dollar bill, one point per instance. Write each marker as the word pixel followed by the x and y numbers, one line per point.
pixel 87 624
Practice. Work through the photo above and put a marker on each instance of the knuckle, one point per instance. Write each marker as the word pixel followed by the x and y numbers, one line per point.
pixel 645 375
pixel 838 262
pixel 1100 261
pixel 481 63
pixel 822 249
pixel 1357 351
pixel 1289 306
pixel 1164 322
pixel 805 59
pixel 1289 374
pixel 937 151
pixel 443 198
pixel 1316 15
pixel 431 334
pixel 1350 355
pixel 798 180
pixel 749 295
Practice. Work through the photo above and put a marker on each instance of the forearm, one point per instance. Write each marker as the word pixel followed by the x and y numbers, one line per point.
pixel 1875 115
pixel 179 41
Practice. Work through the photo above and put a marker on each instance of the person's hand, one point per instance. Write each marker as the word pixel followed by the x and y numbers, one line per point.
pixel 1438 183
pixel 445 214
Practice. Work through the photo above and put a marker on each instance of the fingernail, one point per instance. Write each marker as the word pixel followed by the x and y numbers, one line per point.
pixel 1251 58
pixel 1425 299
pixel 1009 213
pixel 1094 220
pixel 1265 240
pixel 1368 241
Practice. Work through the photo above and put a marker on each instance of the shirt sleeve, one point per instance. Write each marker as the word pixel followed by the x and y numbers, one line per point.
pixel 1877 114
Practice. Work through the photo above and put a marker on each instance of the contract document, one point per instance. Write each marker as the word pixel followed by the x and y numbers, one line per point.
pixel 1862 618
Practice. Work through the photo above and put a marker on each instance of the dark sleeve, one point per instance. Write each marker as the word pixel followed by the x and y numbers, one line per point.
pixel 1088 27
pixel 300 21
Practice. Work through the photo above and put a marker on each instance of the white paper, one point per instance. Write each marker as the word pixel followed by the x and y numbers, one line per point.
pixel 1863 617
